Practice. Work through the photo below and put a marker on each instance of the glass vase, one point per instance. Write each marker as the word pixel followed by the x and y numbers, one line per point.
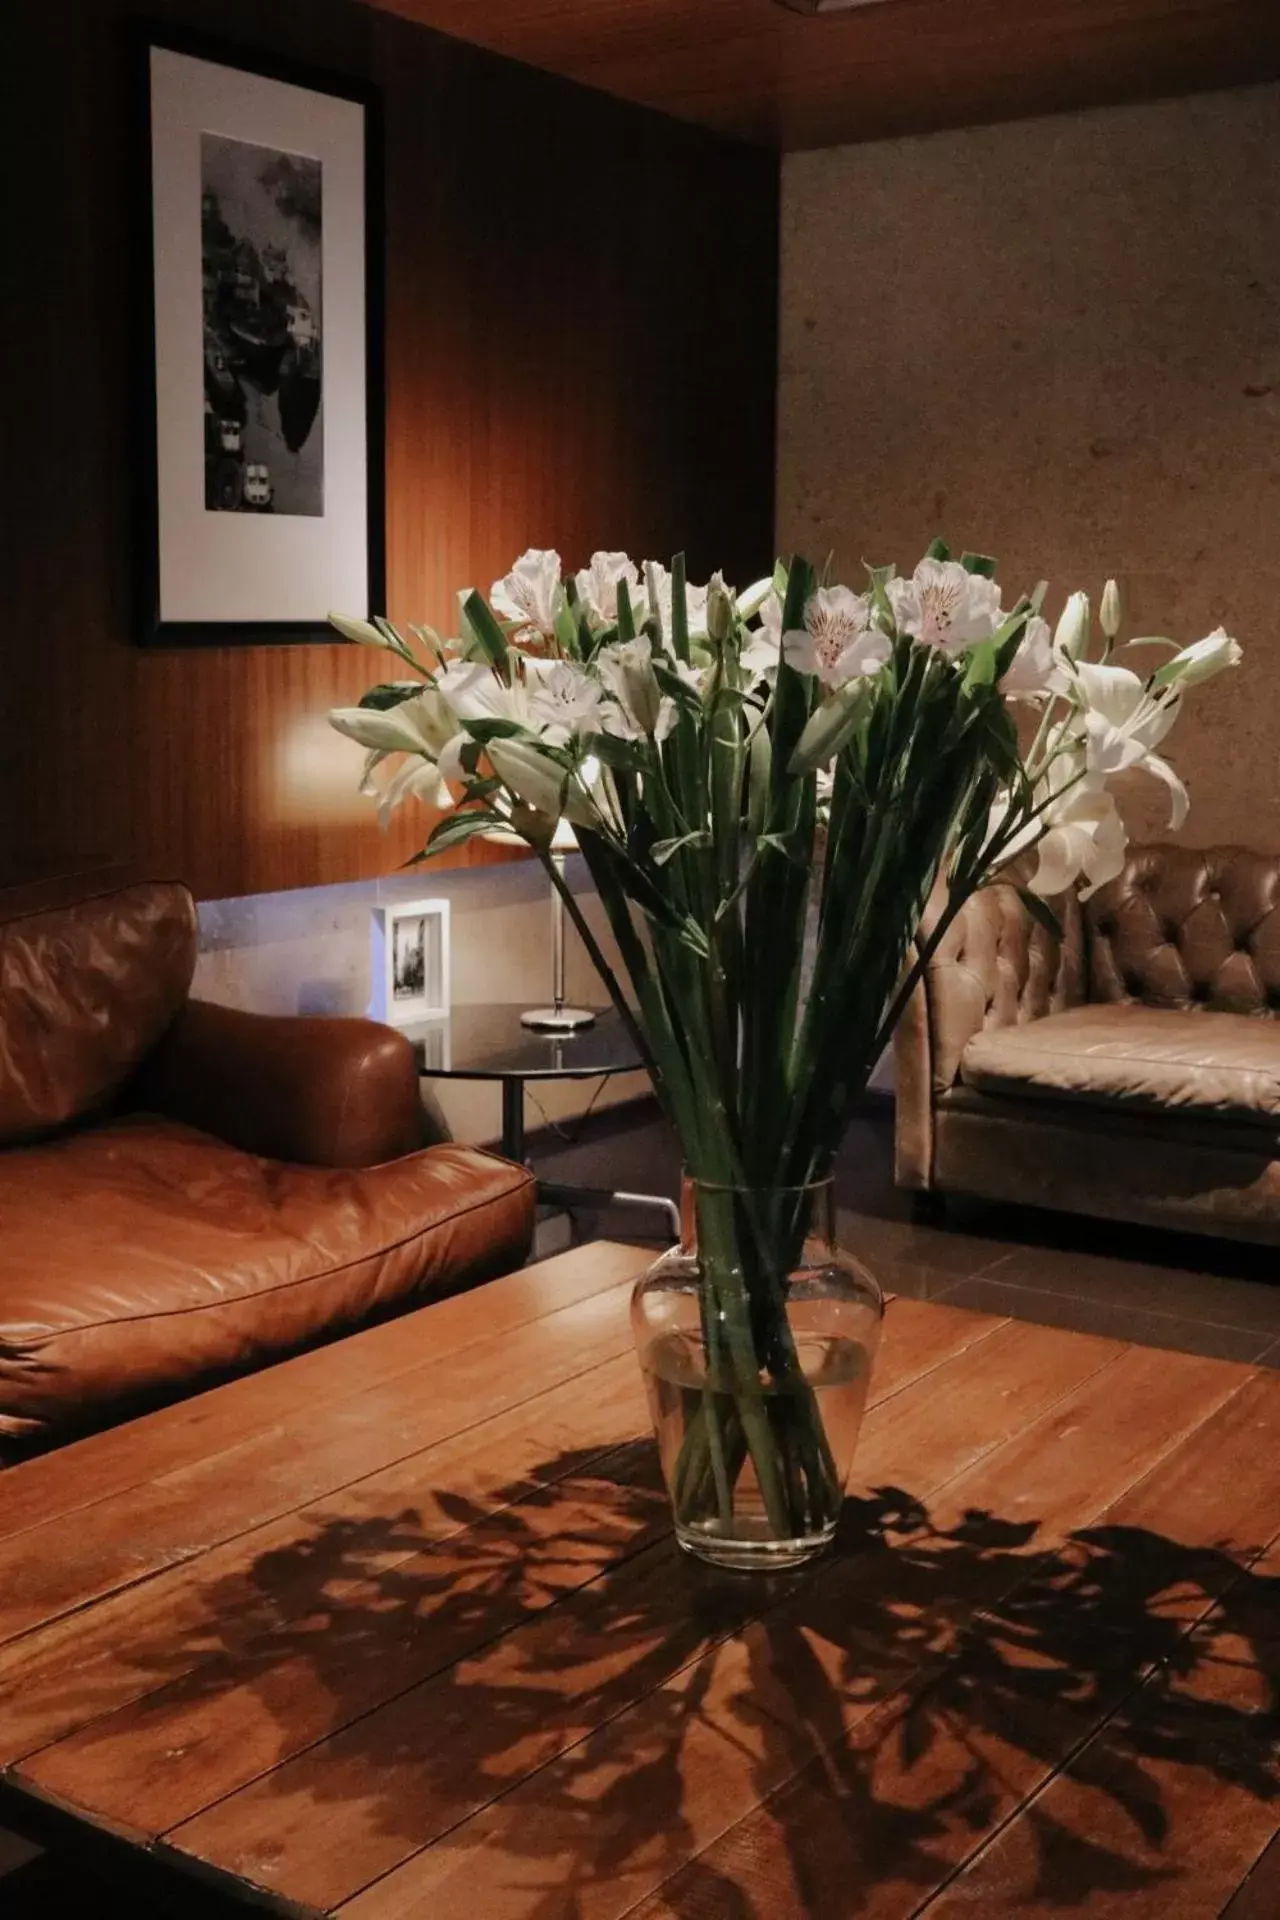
pixel 756 1336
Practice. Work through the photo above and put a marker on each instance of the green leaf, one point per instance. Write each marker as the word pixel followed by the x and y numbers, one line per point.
pixel 488 635
pixel 566 624
pixel 784 844
pixel 692 936
pixel 662 850
pixel 981 563
pixel 391 693
pixel 759 765
pixel 937 550
pixel 457 828
pixel 681 692
pixel 879 578
pixel 1041 912
pixel 980 665
pixel 625 756
pixel 486 730
pixel 626 618
pixel 679 635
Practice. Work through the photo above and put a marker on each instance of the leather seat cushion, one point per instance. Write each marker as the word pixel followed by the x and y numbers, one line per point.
pixel 143 1259
pixel 1134 1056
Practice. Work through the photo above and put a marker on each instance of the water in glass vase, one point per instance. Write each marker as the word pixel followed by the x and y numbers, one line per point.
pixel 756 1337
pixel 834 1377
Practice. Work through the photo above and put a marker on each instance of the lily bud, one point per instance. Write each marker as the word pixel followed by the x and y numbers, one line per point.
pixel 1071 635
pixel 1109 610
pixel 363 632
pixel 418 725
pixel 719 610
pixel 626 668
pixel 1200 661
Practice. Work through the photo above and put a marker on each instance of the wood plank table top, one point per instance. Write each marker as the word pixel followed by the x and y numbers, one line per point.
pixel 398 1631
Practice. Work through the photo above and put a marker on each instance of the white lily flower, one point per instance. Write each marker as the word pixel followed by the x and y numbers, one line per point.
pixel 534 778
pixel 473 691
pixel 695 678
pixel 531 593
pixel 418 725
pixel 642 710
pixel 1109 610
pixel 565 702
pixel 1200 661
pixel 597 584
pixel 1071 635
pixel 838 641
pixel 752 601
pixel 452 765
pixel 1034 673
pixel 413 780
pixel 1124 725
pixel 1078 832
pixel 1085 840
pixel 695 599
pixel 759 657
pixel 942 605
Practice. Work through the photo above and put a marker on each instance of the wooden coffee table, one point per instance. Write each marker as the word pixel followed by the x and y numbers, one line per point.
pixel 397 1631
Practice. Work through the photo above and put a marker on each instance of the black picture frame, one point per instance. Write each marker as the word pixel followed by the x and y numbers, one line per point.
pixel 151 629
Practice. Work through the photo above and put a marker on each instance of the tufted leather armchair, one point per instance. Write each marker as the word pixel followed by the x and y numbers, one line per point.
pixel 1129 1069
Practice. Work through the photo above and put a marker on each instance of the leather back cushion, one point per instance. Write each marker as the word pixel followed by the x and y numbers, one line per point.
pixel 86 990
pixel 1186 927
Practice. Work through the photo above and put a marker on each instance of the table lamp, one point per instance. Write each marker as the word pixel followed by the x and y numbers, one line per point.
pixel 558 1018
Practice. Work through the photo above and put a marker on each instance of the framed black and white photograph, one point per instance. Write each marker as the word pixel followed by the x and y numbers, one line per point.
pixel 264 386
pixel 411 961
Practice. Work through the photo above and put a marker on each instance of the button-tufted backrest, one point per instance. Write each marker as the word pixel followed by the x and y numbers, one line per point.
pixel 995 967
pixel 1182 927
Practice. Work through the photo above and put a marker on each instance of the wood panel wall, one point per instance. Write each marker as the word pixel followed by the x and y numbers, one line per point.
pixel 580 345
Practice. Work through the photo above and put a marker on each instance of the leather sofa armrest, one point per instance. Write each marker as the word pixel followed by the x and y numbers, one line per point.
pixel 318 1092
pixel 994 967
pixel 997 967
pixel 913 1092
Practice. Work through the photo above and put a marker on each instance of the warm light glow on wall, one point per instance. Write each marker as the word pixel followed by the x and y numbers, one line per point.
pixel 316 774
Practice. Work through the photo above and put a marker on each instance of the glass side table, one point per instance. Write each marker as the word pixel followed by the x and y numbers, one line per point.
pixel 489 1043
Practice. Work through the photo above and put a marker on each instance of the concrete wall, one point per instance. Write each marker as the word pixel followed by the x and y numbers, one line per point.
pixel 1059 341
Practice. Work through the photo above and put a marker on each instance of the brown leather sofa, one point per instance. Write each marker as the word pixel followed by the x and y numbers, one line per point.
pixel 1130 1069
pixel 187 1191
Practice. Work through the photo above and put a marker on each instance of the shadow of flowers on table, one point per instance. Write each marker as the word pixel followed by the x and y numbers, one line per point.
pixel 545 1710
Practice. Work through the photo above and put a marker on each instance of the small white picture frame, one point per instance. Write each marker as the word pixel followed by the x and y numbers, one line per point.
pixel 410 962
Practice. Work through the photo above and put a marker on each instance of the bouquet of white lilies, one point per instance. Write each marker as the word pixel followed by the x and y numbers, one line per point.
pixel 767 787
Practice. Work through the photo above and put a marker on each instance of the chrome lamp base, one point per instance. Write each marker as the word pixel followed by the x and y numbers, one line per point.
pixel 557 1019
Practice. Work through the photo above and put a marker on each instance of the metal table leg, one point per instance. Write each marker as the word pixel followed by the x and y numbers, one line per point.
pixel 556 1193
pixel 513 1119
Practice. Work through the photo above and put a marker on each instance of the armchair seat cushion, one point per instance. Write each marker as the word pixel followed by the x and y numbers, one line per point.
pixel 143 1258
pixel 1130 1056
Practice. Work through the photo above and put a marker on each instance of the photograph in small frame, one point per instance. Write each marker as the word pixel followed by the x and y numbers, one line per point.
pixel 411 962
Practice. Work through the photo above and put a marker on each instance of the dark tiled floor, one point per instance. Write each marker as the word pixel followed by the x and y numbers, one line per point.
pixel 1213 1297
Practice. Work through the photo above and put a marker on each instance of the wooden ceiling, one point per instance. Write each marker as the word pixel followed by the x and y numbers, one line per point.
pixel 786 79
